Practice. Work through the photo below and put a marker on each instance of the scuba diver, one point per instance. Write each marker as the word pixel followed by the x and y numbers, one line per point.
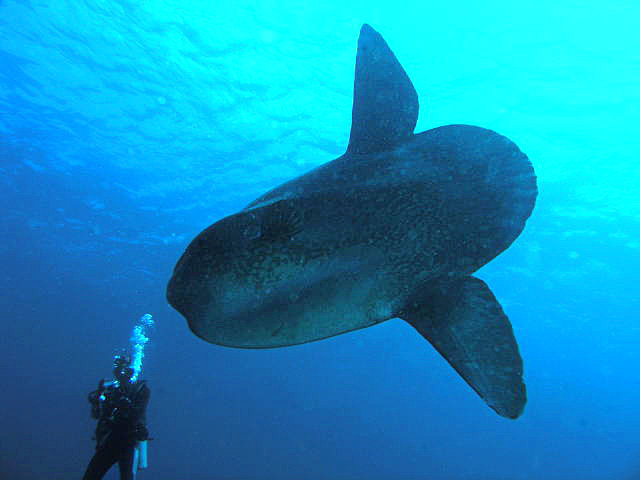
pixel 121 433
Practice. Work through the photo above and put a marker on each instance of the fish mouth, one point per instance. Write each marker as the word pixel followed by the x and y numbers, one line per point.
pixel 188 298
pixel 176 295
pixel 171 292
pixel 184 289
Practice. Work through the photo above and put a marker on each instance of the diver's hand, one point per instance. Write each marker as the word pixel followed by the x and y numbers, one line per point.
pixel 94 397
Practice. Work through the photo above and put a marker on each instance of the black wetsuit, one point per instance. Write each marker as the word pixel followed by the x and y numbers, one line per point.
pixel 121 423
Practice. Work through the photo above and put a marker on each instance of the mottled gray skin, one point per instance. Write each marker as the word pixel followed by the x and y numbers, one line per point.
pixel 353 240
pixel 393 228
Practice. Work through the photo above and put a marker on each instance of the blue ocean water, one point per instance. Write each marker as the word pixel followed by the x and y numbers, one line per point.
pixel 126 127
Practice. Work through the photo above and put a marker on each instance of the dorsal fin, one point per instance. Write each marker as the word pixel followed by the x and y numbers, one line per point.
pixel 385 104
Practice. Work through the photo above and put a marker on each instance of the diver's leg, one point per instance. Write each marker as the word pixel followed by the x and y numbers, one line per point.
pixel 125 463
pixel 101 462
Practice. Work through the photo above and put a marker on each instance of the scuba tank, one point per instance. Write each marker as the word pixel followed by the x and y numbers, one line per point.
pixel 141 451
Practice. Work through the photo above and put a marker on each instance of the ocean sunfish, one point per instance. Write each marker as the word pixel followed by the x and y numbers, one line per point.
pixel 393 228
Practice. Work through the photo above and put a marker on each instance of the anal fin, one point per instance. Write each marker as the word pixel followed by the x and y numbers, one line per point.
pixel 466 324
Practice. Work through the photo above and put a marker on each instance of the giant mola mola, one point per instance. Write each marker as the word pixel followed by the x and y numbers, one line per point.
pixel 393 228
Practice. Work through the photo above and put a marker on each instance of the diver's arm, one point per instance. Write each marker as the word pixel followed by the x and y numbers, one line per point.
pixel 94 400
pixel 95 404
pixel 140 405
